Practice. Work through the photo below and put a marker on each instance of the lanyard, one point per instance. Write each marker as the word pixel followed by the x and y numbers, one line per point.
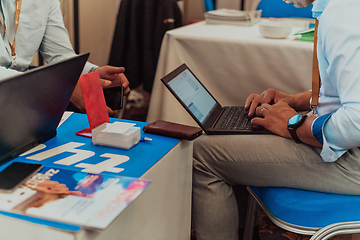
pixel 316 81
pixel 17 18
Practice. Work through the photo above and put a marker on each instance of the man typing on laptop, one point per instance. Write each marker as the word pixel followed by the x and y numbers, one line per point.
pixel 37 25
pixel 317 152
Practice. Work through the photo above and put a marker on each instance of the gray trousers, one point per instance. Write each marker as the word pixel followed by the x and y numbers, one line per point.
pixel 258 160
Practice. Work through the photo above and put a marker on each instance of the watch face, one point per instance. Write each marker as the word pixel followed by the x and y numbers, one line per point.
pixel 294 119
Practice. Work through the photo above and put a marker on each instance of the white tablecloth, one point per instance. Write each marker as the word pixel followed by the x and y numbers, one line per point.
pixel 232 62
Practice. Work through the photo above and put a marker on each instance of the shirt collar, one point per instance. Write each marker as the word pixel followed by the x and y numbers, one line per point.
pixel 319 7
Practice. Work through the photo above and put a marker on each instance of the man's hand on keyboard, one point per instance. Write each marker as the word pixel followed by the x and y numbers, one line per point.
pixel 270 96
pixel 274 117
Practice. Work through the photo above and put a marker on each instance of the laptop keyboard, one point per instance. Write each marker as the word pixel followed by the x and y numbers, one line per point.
pixel 235 118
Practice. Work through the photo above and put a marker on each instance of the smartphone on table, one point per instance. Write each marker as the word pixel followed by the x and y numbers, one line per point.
pixel 15 174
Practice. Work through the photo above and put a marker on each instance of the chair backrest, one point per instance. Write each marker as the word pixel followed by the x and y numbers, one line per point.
pixel 209 5
pixel 280 9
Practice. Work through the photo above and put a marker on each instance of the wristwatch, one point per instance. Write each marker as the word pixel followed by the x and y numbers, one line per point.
pixel 294 123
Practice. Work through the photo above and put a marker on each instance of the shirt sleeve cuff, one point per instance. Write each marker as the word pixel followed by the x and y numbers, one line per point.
pixel 317 127
pixel 88 67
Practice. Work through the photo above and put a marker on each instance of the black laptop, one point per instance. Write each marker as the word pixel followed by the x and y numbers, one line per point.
pixel 32 104
pixel 205 109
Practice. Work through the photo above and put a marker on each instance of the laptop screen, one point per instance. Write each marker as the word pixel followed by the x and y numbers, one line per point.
pixel 193 94
pixel 32 104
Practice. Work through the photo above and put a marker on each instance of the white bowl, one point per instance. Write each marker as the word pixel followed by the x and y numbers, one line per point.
pixel 271 29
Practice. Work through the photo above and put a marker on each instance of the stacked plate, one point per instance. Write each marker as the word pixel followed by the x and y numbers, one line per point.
pixel 232 17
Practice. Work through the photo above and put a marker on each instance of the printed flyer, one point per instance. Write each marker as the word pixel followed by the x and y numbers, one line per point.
pixel 79 198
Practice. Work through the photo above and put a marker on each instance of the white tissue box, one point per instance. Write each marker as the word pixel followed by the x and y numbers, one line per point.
pixel 117 134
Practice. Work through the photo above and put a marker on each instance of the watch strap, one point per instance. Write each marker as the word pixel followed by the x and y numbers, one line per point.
pixel 294 135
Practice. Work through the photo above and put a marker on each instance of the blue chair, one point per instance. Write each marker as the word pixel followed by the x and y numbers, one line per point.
pixel 280 9
pixel 209 5
pixel 321 215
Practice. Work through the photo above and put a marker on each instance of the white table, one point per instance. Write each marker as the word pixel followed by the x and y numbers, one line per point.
pixel 232 62
pixel 161 212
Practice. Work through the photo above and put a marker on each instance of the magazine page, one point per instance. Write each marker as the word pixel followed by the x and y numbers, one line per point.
pixel 80 198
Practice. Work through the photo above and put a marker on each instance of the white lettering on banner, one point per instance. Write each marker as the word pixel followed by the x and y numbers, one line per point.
pixel 107 165
pixel 68 147
pixel 80 155
pixel 35 149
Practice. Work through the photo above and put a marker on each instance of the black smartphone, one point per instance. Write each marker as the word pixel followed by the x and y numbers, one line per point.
pixel 15 174
pixel 114 97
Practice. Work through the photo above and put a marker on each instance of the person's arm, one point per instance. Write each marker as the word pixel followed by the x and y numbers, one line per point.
pixel 340 131
pixel 275 118
pixel 56 45
pixel 301 101
pixel 306 134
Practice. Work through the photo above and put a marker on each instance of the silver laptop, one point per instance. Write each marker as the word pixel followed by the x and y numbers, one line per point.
pixel 205 109
pixel 32 104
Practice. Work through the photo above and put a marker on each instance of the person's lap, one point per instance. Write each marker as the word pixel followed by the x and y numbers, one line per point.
pixel 259 160
pixel 270 160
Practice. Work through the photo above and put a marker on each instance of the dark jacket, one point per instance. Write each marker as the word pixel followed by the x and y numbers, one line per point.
pixel 140 27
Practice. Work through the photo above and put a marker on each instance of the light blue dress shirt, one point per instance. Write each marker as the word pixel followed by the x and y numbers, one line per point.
pixel 41 27
pixel 338 128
